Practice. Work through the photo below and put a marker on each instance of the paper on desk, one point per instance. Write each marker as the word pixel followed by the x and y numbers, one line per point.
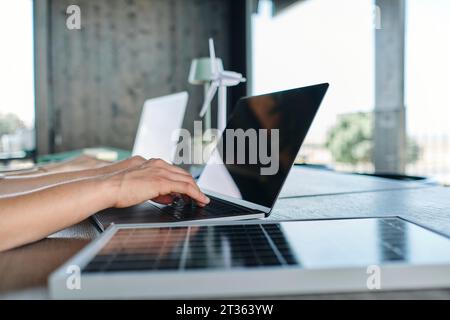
pixel 101 154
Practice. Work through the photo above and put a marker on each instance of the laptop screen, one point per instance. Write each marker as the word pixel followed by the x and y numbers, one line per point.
pixel 159 119
pixel 260 144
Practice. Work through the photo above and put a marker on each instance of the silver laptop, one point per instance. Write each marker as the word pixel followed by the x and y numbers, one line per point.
pixel 242 181
pixel 160 119
pixel 252 259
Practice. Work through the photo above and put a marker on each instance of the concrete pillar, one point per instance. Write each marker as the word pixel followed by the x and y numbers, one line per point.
pixel 390 123
pixel 42 104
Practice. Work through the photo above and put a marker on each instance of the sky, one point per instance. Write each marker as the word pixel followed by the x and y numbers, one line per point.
pixel 333 41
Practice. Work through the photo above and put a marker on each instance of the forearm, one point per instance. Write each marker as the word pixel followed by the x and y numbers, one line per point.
pixel 32 216
pixel 29 217
pixel 78 163
pixel 14 185
pixel 11 185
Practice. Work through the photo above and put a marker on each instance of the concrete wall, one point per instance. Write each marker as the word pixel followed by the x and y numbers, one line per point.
pixel 126 52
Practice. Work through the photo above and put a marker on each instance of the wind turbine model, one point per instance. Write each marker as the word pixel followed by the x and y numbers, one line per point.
pixel 220 80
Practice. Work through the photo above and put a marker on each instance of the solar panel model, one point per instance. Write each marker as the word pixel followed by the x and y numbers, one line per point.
pixel 251 259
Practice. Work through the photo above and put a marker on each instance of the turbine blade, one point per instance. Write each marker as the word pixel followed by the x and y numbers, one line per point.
pixel 209 98
pixel 212 53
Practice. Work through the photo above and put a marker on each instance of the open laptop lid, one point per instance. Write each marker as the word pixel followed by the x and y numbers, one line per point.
pixel 160 118
pixel 259 147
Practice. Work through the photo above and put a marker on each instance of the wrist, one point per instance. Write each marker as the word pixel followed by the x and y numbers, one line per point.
pixel 109 186
pixel 99 171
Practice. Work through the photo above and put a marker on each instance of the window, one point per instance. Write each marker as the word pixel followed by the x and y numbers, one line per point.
pixel 16 79
pixel 427 86
pixel 318 41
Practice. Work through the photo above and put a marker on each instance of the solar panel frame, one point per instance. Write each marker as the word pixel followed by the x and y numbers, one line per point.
pixel 197 282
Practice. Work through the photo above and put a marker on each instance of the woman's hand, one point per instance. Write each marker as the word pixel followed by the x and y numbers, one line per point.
pixel 153 180
pixel 119 166
pixel 66 199
pixel 83 162
pixel 18 184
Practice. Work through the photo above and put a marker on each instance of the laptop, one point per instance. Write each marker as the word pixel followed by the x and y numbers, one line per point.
pixel 241 179
pixel 256 258
pixel 160 119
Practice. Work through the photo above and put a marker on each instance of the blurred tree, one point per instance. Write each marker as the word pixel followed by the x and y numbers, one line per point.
pixel 351 140
pixel 413 151
pixel 10 123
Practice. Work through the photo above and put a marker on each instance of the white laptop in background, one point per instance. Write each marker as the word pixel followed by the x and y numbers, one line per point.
pixel 159 119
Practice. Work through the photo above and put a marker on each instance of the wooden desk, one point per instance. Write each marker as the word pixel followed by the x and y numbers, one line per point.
pixel 24 271
pixel 309 194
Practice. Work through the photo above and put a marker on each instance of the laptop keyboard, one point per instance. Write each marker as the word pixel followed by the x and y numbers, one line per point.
pixel 183 210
